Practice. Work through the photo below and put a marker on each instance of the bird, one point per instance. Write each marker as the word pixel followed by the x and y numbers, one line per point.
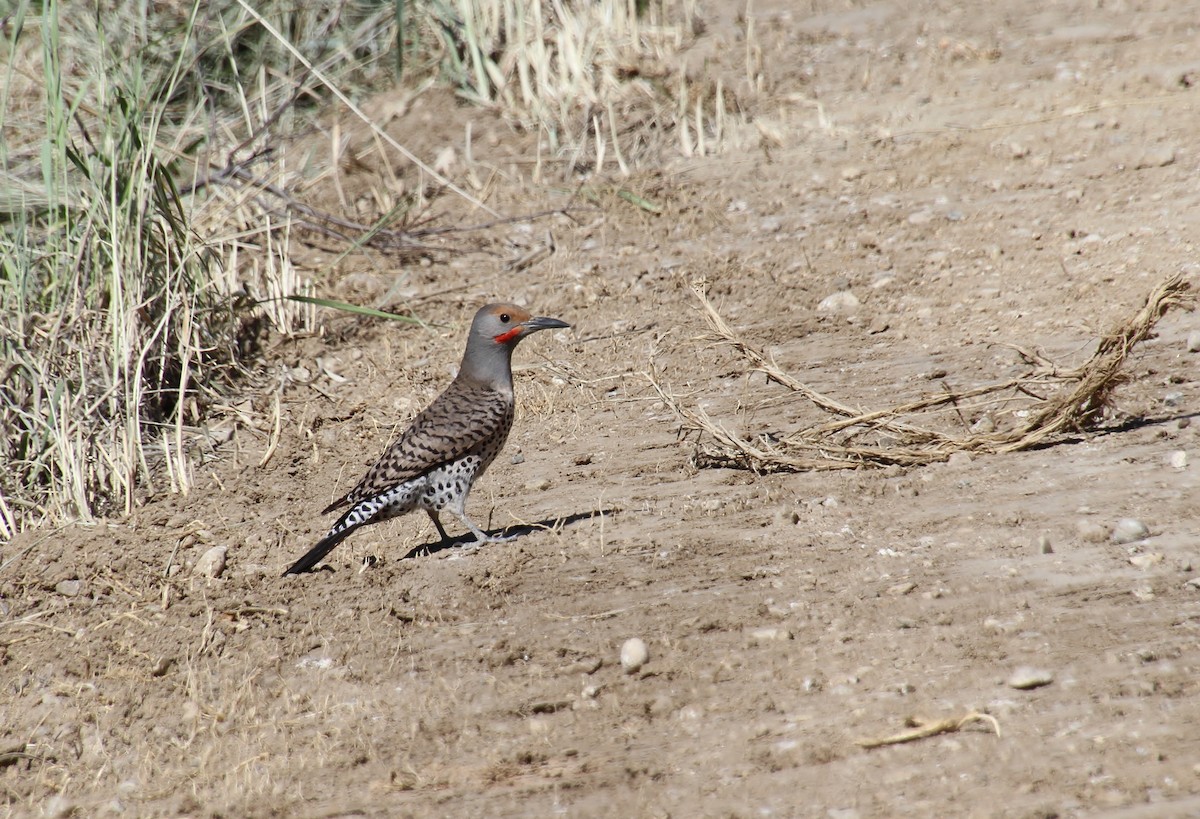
pixel 433 465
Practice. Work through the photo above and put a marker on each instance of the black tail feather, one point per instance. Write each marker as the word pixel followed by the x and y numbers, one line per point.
pixel 317 553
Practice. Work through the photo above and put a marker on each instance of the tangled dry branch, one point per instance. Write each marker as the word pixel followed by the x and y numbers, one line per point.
pixel 1074 401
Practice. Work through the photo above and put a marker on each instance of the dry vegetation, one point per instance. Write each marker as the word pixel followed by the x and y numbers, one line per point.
pixel 153 203
pixel 1040 405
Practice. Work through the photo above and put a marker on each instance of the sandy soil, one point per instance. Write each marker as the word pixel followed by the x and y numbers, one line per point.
pixel 975 173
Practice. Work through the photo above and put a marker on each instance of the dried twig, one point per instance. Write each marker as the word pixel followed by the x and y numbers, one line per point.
pixel 1074 400
pixel 924 728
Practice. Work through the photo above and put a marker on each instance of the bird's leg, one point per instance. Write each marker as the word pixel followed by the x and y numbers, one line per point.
pixel 481 536
pixel 441 529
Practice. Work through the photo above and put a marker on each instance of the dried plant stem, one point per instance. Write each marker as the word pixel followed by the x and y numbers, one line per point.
pixel 921 729
pixel 1076 398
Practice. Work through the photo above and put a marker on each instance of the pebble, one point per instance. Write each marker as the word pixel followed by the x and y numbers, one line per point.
pixel 1178 460
pixel 634 655
pixel 1026 678
pixel 1173 399
pixel 1043 545
pixel 211 563
pixel 843 301
pixel 1091 532
pixel 761 636
pixel 901 589
pixel 984 425
pixel 1158 156
pixel 1143 593
pixel 958 460
pixel 539 485
pixel 1193 342
pixel 1129 530
pixel 1145 561
pixel 69 588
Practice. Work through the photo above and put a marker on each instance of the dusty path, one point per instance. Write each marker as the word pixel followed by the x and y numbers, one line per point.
pixel 973 173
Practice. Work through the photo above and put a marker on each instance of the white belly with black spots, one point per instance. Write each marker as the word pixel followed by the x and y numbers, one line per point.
pixel 449 485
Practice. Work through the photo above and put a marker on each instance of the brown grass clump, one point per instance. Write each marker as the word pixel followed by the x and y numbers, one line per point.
pixel 1050 401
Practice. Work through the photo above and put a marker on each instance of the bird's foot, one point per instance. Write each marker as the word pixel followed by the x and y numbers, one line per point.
pixel 498 538
pixel 482 539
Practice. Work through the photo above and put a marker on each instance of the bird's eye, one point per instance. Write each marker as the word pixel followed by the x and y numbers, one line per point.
pixel 504 318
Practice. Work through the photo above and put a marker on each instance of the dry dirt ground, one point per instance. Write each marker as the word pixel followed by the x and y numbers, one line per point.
pixel 975 173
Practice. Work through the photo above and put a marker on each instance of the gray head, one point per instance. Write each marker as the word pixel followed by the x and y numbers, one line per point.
pixel 495 331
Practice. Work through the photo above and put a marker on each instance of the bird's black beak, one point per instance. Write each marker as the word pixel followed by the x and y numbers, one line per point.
pixel 542 323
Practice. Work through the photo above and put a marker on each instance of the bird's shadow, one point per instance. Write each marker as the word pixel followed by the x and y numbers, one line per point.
pixel 515 532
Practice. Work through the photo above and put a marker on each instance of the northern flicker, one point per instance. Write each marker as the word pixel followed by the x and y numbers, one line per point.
pixel 434 463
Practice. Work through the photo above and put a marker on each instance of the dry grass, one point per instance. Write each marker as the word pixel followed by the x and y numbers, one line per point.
pixel 599 82
pixel 149 207
pixel 1047 401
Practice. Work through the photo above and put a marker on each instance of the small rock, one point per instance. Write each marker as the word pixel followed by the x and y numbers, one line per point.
pixel 69 588
pixel 634 654
pixel 1143 593
pixel 1129 530
pixel 1178 460
pixel 1025 678
pixel 1194 583
pixel 1043 545
pixel 843 301
pixel 211 563
pixel 984 425
pixel 761 636
pixel 518 458
pixel 539 485
pixel 1173 399
pixel 1147 560
pixel 958 459
pixel 901 589
pixel 851 172
pixel 1193 342
pixel 1158 156
pixel 1091 532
